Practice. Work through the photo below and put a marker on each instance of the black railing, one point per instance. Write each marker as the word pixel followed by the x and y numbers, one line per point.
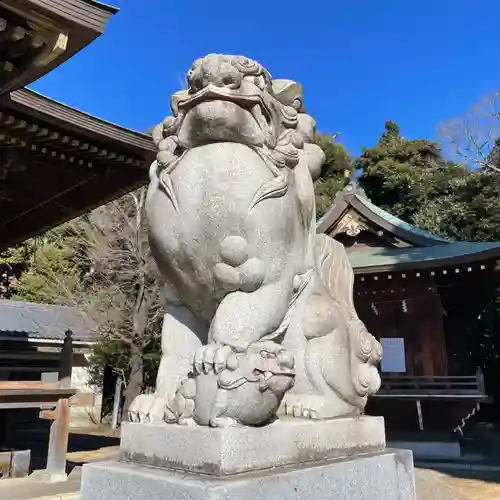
pixel 436 387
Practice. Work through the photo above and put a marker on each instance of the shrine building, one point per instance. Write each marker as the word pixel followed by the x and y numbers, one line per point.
pixel 56 163
pixel 418 294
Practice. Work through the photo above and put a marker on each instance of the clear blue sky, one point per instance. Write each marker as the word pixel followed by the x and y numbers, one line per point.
pixel 416 62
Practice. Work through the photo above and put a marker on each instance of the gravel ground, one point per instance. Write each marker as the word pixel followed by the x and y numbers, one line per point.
pixel 431 485
pixel 457 485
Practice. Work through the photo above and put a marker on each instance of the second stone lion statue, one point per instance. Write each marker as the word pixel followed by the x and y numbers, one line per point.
pixel 232 227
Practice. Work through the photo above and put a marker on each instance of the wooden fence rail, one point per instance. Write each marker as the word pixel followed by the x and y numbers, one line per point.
pixel 433 387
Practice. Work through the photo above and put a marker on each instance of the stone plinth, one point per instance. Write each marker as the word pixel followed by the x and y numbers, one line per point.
pixel 381 476
pixel 233 450
pixel 341 459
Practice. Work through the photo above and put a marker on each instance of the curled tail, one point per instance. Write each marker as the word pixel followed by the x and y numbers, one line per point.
pixel 337 275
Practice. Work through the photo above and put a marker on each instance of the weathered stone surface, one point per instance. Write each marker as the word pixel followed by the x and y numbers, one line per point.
pixel 238 449
pixel 382 476
pixel 261 317
pixel 15 463
pixel 20 463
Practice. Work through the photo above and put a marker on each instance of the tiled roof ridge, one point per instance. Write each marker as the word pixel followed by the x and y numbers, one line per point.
pixel 44 321
pixel 14 302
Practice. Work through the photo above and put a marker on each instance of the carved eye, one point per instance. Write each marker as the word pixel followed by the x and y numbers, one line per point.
pixel 297 104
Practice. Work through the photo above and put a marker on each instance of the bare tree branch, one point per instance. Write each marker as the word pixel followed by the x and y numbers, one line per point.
pixel 471 137
pixel 120 297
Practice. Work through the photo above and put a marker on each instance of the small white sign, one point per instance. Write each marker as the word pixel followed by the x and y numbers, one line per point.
pixel 50 376
pixel 393 355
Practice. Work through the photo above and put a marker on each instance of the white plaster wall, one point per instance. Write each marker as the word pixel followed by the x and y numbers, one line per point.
pixel 84 415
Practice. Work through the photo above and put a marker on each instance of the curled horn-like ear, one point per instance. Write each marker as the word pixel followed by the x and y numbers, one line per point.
pixel 289 93
pixel 176 98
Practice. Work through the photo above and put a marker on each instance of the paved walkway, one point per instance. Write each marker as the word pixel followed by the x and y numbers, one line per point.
pixel 457 485
pixel 28 489
pixel 431 484
pixel 100 455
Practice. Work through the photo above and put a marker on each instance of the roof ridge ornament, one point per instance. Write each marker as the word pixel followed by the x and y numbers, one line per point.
pixel 353 187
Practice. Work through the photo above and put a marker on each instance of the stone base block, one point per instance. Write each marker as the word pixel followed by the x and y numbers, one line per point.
pixel 381 476
pixel 231 450
pixel 14 463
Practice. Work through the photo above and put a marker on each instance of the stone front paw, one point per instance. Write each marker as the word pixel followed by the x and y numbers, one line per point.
pixel 212 358
pixel 147 408
pixel 315 406
pixel 298 407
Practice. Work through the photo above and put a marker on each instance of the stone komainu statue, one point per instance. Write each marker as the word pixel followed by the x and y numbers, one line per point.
pixel 260 320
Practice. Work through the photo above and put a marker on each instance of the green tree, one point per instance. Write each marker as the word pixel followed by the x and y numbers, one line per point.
pixel 13 261
pixel 335 173
pixel 468 210
pixel 55 266
pixel 402 175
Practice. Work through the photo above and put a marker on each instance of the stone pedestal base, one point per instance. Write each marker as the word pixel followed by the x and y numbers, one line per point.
pixel 341 459
pixel 232 450
pixel 380 476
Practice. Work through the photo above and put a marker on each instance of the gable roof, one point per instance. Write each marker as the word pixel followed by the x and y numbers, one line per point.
pixel 27 320
pixel 422 250
pixel 354 197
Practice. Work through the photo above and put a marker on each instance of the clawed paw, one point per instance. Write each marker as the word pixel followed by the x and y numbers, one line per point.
pixel 147 408
pixel 311 406
pixel 298 410
pixel 315 406
pixel 212 358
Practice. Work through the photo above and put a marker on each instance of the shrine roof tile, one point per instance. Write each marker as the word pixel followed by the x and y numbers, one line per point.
pixel 28 320
pixel 376 260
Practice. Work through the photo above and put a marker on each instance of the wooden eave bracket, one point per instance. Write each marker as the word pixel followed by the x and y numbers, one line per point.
pixel 56 46
pixel 52 37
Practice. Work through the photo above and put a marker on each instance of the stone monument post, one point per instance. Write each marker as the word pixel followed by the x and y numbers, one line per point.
pixel 266 367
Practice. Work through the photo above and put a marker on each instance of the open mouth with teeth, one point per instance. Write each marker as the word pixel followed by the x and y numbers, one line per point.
pixel 253 103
